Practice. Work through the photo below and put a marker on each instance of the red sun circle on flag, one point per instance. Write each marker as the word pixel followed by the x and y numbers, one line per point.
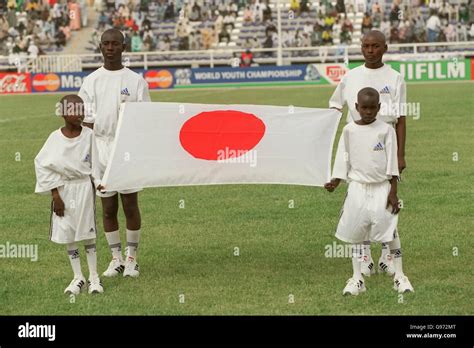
pixel 213 135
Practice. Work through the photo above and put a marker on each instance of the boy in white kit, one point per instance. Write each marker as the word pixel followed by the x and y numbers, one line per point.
pixel 104 90
pixel 392 92
pixel 63 168
pixel 367 158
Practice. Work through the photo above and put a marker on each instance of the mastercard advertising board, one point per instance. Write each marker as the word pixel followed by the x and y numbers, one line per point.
pixel 57 82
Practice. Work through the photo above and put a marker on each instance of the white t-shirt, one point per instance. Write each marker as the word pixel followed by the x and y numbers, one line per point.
pixel 366 153
pixel 104 90
pixel 62 159
pixel 433 23
pixel 387 81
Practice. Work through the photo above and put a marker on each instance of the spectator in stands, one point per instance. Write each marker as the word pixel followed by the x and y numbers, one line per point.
pixel 394 34
pixel 308 27
pixel 148 44
pixel 463 13
pixel 257 12
pixel 195 13
pixel 32 50
pixel 471 32
pixel 270 28
pixel 103 20
pixel 366 24
pixel 345 37
pixel 298 39
pixel 130 23
pixel 165 44
pixel 266 12
pixel 208 38
pixel 195 41
pixel 268 43
pixel 377 16
pixel 169 12
pixel 229 21
pixel 233 8
pixel 60 37
pixel 219 22
pixel 146 24
pixel 295 6
pixel 316 35
pixel 347 24
pixel 394 13
pixel 327 36
pixel 340 6
pixel 182 33
pixel 286 39
pixel 247 45
pixel 329 21
pixel 246 59
pixel 471 13
pixel 3 28
pixel 224 35
pixel 83 11
pixel 434 26
pixel 248 14
pixel 136 42
pixel 450 32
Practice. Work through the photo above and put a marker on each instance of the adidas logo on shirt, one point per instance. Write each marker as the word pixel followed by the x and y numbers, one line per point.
pixel 91 230
pixel 87 158
pixel 378 147
pixel 125 92
pixel 384 90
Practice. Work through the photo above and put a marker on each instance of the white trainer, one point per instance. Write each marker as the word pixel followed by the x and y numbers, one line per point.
pixel 131 268
pixel 402 285
pixel 354 287
pixel 367 266
pixel 95 285
pixel 74 288
pixel 386 265
pixel 115 268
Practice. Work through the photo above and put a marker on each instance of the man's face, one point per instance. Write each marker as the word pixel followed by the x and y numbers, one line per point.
pixel 368 107
pixel 112 47
pixel 373 48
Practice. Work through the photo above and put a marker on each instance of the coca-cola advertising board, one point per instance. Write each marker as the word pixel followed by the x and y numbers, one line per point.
pixel 13 83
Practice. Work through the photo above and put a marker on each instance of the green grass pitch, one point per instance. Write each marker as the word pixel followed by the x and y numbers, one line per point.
pixel 190 251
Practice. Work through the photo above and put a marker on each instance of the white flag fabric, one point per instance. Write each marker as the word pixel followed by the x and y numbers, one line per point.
pixel 177 144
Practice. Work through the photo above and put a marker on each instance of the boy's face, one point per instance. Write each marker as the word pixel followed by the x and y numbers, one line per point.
pixel 112 47
pixel 373 48
pixel 73 113
pixel 368 107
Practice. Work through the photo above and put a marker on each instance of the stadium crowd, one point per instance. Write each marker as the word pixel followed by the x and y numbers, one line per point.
pixel 34 27
pixel 201 24
pixel 37 26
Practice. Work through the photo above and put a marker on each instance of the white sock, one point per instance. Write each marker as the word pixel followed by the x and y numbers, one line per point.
pixel 366 249
pixel 396 251
pixel 385 250
pixel 113 238
pixel 356 259
pixel 91 253
pixel 73 253
pixel 133 237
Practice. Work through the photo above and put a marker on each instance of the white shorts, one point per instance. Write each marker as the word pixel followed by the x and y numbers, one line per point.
pixel 364 215
pixel 78 222
pixel 104 149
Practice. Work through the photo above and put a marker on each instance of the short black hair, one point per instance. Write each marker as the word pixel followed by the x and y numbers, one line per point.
pixel 113 31
pixel 370 92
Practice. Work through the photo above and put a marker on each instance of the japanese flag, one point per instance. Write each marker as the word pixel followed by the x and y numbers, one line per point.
pixel 173 144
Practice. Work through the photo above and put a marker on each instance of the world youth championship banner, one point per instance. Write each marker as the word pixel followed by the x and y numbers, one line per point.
pixel 176 144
